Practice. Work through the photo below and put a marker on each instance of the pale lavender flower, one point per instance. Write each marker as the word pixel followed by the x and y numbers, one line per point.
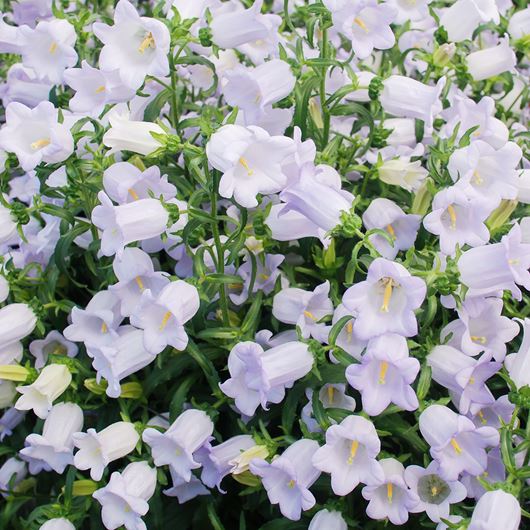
pixel 456 443
pixel 495 472
pixel 11 470
pixel 518 364
pixel 23 86
pixel 435 495
pixel 53 344
pixel 493 415
pixel 496 509
pixel 347 339
pixel 288 478
pixel 385 375
pixel 349 455
pixel 185 491
pixel 328 520
pixel 401 227
pixel 9 420
pixel 390 497
pixel 385 302
pixel 303 308
pixel 290 225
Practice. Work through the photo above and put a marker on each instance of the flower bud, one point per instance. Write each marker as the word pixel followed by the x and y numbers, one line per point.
pixel 443 55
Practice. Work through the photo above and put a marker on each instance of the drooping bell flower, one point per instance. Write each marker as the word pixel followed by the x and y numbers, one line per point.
pixel 124 498
pixel 401 227
pixel 385 302
pixel 250 161
pixel 462 18
pixel 328 520
pixel 495 472
pixel 17 321
pixel 35 135
pixel 135 46
pixel 288 478
pixel 496 509
pixel 22 85
pixel 456 443
pixel 54 449
pixel 349 455
pixel 495 414
pixel 435 494
pixel 12 471
pixel 390 497
pixel 98 449
pixel 53 344
pixel 163 318
pixel 176 446
pixel 490 62
pixel 121 225
pixel 303 308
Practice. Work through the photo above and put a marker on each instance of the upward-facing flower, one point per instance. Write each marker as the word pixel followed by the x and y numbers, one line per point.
pixel 385 301
pixel 456 443
pixel 350 455
pixel 53 344
pixel 135 46
pixel 176 446
pixel 288 478
pixel 35 135
pixel 250 160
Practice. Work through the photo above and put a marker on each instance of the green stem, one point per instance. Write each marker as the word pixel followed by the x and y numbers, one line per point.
pixel 174 103
pixel 325 112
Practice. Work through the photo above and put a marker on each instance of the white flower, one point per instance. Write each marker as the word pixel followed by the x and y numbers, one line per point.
pixel 462 17
pixel 11 468
pixel 55 448
pixel 7 393
pixel 135 46
pixel 8 225
pixel 402 172
pixel 519 25
pixel 98 449
pixel 35 135
pixel 124 498
pixel 491 61
pixel 57 524
pixel 40 395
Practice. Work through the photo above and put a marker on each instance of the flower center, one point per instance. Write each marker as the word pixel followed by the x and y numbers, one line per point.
pixel 165 320
pixel 291 484
pixel 104 327
pixel 244 163
pixel 139 283
pixel 456 447
pixel 432 489
pixel 452 215
pixel 53 47
pixel 391 231
pixel 133 194
pixel 389 284
pixel 389 491
pixel 310 315
pixel 477 179
pixel 100 89
pixel 480 340
pixel 383 369
pixel 353 451
pixel 361 24
pixel 331 392
pixel 148 42
pixel 349 331
pixel 39 144
pixel 482 417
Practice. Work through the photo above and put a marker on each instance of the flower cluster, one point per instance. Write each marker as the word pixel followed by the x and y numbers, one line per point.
pixel 264 264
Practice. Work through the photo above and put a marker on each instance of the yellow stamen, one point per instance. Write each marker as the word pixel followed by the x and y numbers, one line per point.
pixel 513 262
pixel 383 368
pixel 148 42
pixel 133 194
pixel 140 283
pixel 452 215
pixel 53 47
pixel 104 327
pixel 389 491
pixel 167 316
pixel 310 315
pixel 389 284
pixel 349 331
pixel 244 163
pixel 477 179
pixel 391 231
pixel 291 484
pixel 353 451
pixel 361 24
pixel 39 144
pixel 331 392
pixel 434 491
pixel 263 276
pixel 471 380
pixel 480 340
pixel 456 447
pixel 100 89
pixel 482 417
pixel 485 474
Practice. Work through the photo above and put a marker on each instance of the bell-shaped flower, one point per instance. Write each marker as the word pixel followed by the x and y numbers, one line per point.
pixel 385 302
pixel 416 11
pixel 405 97
pixel 8 225
pixel 163 318
pixel 135 273
pixel 53 380
pixel 126 134
pixel 124 224
pixel 124 182
pixel 17 321
pixel 250 160
pixel 35 135
pixel 457 220
pixel 390 498
pixel 22 85
pixel 435 494
pixel 49 48
pixel 494 414
pixel 346 339
pixel 59 523
pixel 464 16
pixel 403 172
pixel 496 509
pixel 498 266
pixel 185 491
pixel 124 498
pixel 318 196
pixel 304 308
pixel 12 471
pixel 219 461
pixel 97 323
pixel 518 364
pixel 288 478
pixel 176 447
pixel 401 227
pixel 261 377
pixel 495 473
pixel 349 455
pixel 135 46
pixel 385 375
pixel 456 443
pixel 365 23
pixel 326 520
pixel 126 355
pixel 519 25
pixel 98 449
pixel 486 173
pixel 491 62
pixel 10 419
pixel 95 88
pixel 53 344
pixel 10 37
pixel 54 449
pixel 289 225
